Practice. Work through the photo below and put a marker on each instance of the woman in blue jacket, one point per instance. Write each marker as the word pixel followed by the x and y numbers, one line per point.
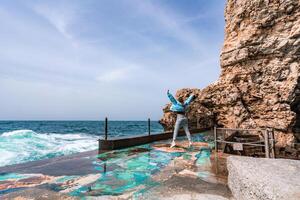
pixel 179 107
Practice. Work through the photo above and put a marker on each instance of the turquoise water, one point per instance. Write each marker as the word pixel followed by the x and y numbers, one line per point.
pixel 23 141
pixel 125 170
pixel 133 170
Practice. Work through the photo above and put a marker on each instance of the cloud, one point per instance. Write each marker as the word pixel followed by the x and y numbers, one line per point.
pixel 61 17
pixel 171 22
pixel 118 74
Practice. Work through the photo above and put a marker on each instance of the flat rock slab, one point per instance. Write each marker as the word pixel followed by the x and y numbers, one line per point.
pixel 40 194
pixel 262 178
pixel 185 187
pixel 76 164
pixel 195 197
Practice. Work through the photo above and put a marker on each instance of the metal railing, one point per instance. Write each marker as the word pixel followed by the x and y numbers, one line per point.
pixel 234 136
pixel 106 127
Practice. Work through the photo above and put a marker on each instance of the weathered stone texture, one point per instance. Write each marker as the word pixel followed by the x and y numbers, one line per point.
pixel 259 85
pixel 276 179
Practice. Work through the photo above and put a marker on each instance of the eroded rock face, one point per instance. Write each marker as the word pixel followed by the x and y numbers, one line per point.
pixel 259 85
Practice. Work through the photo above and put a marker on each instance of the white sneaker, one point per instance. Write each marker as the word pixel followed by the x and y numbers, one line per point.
pixel 173 144
pixel 190 143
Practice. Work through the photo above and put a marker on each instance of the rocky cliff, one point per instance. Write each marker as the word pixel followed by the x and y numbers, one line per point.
pixel 259 85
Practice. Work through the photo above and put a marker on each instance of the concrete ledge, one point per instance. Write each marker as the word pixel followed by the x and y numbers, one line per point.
pixel 129 141
pixel 262 178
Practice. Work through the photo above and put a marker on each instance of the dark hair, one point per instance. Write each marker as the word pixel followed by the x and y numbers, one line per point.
pixel 180 99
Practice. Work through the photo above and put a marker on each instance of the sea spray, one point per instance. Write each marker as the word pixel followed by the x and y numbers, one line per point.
pixel 26 145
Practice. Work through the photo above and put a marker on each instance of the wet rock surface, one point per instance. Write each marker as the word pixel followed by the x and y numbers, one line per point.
pixel 39 194
pixel 259 85
pixel 151 170
pixel 275 179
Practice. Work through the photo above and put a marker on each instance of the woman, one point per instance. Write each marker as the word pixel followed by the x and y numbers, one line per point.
pixel 179 107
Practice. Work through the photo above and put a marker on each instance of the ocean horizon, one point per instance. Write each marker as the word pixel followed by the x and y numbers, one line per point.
pixel 30 140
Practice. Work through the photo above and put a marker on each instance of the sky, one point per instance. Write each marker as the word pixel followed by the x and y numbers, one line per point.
pixel 88 59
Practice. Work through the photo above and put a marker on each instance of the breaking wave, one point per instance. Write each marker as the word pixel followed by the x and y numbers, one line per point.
pixel 26 145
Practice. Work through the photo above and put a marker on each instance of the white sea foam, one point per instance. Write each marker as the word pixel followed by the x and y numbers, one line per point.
pixel 26 145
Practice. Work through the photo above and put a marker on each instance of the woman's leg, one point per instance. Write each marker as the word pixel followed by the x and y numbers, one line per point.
pixel 186 130
pixel 176 129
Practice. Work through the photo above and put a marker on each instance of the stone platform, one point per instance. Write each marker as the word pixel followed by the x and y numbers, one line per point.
pixel 263 179
pixel 151 171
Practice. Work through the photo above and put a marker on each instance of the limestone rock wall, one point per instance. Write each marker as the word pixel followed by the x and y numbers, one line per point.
pixel 259 85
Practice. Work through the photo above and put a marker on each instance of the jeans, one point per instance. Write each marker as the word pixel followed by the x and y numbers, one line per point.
pixel 181 121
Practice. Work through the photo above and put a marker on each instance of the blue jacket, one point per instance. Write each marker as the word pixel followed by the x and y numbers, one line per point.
pixel 177 106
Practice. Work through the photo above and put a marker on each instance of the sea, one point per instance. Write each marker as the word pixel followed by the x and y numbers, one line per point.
pixel 23 141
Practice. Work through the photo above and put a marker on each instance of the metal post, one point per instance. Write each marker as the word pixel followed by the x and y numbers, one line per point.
pixel 106 128
pixel 272 141
pixel 266 137
pixel 149 124
pixel 104 167
pixel 215 135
